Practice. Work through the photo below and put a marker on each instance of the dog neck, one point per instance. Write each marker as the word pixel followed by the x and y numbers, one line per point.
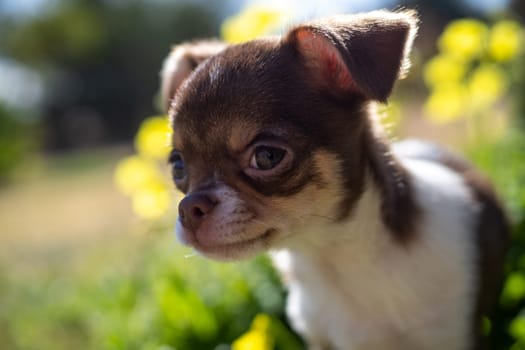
pixel 362 234
pixel 384 212
pixel 360 276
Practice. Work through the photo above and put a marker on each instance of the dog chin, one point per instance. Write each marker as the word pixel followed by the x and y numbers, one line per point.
pixel 242 249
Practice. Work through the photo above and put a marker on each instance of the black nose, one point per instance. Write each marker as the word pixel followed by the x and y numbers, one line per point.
pixel 193 209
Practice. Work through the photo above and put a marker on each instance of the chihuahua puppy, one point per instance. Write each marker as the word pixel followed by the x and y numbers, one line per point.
pixel 277 147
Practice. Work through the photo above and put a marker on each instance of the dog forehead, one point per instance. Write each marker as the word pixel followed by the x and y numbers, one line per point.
pixel 233 91
pixel 240 79
pixel 230 138
pixel 210 122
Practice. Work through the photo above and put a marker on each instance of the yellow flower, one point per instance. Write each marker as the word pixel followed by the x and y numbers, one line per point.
pixel 261 323
pixel 464 38
pixel 446 103
pixel 251 23
pixel 252 340
pixel 258 337
pixel 152 139
pixel 487 85
pixel 505 40
pixel 151 201
pixel 443 68
pixel 135 172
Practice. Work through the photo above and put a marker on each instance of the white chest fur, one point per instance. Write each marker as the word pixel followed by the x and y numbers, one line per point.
pixel 352 287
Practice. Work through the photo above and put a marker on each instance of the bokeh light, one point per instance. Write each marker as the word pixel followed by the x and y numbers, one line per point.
pixel 470 74
pixel 252 22
pixel 505 40
pixel 464 38
pixel 153 138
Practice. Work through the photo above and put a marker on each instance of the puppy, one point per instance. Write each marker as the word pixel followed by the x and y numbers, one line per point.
pixel 276 147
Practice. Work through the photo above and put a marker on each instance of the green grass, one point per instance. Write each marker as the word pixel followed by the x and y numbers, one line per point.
pixel 140 294
pixel 504 163
pixel 78 271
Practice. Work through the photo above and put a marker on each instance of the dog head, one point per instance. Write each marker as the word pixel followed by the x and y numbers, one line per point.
pixel 270 137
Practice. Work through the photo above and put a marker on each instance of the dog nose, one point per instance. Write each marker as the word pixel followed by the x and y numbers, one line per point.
pixel 193 209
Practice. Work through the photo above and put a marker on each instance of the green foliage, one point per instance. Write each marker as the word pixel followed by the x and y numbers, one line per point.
pixel 74 33
pixel 149 296
pixel 16 142
pixel 503 162
pixel 100 61
pixel 519 90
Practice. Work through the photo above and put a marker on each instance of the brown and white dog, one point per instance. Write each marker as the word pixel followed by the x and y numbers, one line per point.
pixel 276 147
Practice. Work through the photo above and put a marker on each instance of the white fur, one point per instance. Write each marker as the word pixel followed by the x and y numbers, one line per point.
pixel 352 287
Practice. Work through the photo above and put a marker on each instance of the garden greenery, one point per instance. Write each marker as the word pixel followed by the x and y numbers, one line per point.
pixel 16 142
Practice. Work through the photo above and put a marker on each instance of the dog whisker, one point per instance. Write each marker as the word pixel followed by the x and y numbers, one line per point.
pixel 191 255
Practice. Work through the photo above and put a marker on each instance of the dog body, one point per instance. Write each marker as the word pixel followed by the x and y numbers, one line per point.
pixel 277 148
pixel 367 292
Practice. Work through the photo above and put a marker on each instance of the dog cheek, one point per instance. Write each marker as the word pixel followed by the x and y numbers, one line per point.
pixel 316 203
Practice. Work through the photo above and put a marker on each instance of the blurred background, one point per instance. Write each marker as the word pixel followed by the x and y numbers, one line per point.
pixel 87 255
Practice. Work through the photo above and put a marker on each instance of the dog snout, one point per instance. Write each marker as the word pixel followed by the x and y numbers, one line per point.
pixel 193 209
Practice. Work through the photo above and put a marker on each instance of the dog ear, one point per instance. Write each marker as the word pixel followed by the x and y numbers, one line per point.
pixel 363 53
pixel 179 64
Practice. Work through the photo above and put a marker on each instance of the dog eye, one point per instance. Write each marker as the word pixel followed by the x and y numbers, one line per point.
pixel 266 157
pixel 177 166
